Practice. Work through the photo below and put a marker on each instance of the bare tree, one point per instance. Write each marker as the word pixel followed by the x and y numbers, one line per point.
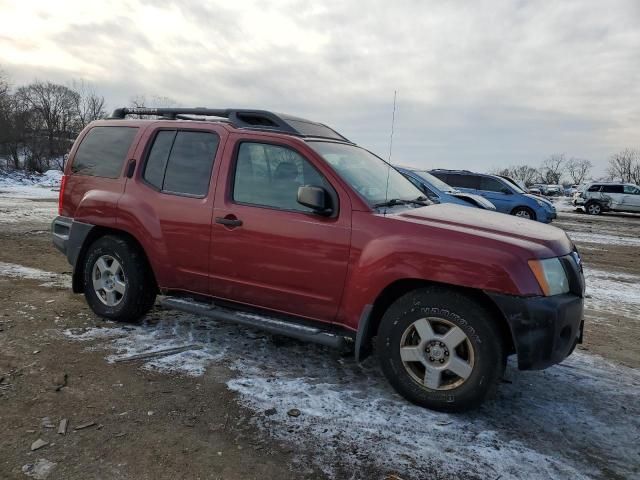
pixel 622 164
pixel 552 169
pixel 5 115
pixel 156 101
pixel 524 173
pixel 53 124
pixel 90 106
pixel 578 169
pixel 635 173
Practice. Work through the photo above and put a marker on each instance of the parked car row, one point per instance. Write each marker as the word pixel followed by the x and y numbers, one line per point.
pixel 490 192
pixel 282 224
pixel 599 197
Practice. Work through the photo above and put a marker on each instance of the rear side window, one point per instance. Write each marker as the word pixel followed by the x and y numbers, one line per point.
pixel 491 184
pixel 103 151
pixel 269 175
pixel 612 189
pixel 463 181
pixel 181 162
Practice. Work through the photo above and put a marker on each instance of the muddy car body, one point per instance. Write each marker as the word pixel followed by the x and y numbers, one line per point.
pixel 283 224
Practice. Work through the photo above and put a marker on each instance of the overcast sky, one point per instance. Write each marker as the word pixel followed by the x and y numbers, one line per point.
pixel 480 83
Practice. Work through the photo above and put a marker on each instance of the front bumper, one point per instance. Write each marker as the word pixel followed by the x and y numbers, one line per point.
pixel 545 330
pixel 547 216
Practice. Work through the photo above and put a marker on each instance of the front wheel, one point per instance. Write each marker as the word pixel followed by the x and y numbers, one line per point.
pixel 593 208
pixel 441 349
pixel 524 212
pixel 118 283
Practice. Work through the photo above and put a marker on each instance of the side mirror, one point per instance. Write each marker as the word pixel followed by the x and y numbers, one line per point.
pixel 506 191
pixel 316 198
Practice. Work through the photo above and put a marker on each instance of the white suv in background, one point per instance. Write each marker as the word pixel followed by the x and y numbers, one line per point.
pixel 600 197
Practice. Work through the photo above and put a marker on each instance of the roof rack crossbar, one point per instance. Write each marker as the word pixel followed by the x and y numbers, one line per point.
pixel 241 118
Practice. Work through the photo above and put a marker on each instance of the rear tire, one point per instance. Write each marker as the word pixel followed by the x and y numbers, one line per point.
pixel 428 331
pixel 593 208
pixel 118 283
pixel 524 212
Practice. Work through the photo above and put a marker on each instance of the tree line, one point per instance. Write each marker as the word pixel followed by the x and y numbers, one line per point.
pixel 557 169
pixel 40 121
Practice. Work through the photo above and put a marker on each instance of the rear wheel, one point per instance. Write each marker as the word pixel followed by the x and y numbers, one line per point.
pixel 593 208
pixel 118 283
pixel 441 349
pixel 524 212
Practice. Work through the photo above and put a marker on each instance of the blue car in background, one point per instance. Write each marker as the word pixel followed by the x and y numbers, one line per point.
pixel 507 196
pixel 438 191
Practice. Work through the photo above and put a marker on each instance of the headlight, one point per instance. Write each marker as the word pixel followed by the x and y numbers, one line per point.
pixel 550 275
pixel 543 204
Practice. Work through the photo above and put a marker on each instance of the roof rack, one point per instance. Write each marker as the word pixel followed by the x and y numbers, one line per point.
pixel 241 118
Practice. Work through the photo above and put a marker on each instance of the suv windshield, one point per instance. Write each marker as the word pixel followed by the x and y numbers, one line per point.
pixel 435 181
pixel 368 174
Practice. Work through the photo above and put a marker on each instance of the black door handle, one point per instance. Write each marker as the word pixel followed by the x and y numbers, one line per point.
pixel 229 222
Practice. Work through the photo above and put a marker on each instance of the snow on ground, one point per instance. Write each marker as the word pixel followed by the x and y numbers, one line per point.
pixel 613 292
pixel 576 420
pixel 17 184
pixel 19 193
pixel 12 270
pixel 603 238
pixel 21 210
pixel 563 204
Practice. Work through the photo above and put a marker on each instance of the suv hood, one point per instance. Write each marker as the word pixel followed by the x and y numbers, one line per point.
pixel 542 240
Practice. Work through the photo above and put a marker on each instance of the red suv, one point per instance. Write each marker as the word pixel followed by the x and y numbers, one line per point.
pixel 283 224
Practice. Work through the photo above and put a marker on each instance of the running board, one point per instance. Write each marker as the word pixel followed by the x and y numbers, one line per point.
pixel 260 322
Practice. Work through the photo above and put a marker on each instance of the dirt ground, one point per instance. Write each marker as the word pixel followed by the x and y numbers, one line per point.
pixel 151 425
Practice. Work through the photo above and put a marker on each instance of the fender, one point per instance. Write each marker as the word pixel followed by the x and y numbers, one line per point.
pixel 432 253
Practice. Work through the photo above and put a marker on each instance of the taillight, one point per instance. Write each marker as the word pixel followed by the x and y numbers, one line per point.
pixel 61 196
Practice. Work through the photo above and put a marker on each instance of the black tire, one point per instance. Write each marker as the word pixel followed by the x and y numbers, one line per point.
pixel 140 287
pixel 475 321
pixel 522 212
pixel 593 208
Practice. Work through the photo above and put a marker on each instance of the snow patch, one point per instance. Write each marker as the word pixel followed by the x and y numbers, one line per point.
pixel 24 211
pixel 603 238
pixel 575 420
pixel 12 270
pixel 19 184
pixel 613 292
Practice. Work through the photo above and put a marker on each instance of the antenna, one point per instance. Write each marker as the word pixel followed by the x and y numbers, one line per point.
pixel 393 121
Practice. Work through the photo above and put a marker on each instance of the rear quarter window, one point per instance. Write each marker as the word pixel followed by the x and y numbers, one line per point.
pixel 463 181
pixel 612 189
pixel 103 151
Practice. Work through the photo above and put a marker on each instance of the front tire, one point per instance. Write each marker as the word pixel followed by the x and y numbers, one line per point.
pixel 593 208
pixel 441 349
pixel 118 283
pixel 524 212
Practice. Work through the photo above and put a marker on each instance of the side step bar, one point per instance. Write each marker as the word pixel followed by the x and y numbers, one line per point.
pixel 260 322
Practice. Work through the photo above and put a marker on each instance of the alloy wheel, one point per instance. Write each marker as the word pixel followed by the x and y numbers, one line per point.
pixel 109 281
pixel 436 353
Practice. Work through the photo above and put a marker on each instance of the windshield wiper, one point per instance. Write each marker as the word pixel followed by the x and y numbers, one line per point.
pixel 422 201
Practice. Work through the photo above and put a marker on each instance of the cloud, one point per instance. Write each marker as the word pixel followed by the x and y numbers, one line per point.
pixel 480 84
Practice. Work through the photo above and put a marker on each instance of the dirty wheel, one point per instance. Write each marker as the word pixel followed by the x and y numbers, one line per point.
pixel 118 283
pixel 441 349
pixel 524 212
pixel 593 208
